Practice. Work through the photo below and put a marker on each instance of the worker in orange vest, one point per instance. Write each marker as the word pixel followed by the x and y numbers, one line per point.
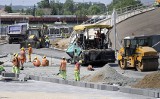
pixel 36 62
pixel 29 52
pixel 16 64
pixel 63 68
pixel 22 57
pixel 45 62
pixel 77 70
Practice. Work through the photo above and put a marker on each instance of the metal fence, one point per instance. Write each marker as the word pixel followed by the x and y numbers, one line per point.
pixel 122 13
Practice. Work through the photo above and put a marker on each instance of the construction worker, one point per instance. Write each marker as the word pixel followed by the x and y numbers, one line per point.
pixel 22 57
pixel 29 52
pixel 36 62
pixel 77 70
pixel 45 62
pixel 75 57
pixel 47 42
pixel 63 68
pixel 90 68
pixel 1 67
pixel 16 64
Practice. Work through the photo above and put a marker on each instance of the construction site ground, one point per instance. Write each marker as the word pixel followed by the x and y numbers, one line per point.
pixel 109 74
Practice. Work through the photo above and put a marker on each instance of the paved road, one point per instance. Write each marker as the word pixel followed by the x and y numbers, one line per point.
pixel 51 52
pixel 47 90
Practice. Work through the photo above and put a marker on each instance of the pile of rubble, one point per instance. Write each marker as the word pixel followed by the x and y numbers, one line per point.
pixel 108 75
pixel 149 81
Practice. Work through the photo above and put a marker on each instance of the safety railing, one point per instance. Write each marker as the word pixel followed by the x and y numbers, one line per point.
pixel 122 13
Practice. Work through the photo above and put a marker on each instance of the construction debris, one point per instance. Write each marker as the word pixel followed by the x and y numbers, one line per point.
pixel 108 75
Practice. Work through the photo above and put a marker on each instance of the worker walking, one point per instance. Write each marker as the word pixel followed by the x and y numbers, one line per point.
pixel 29 52
pixel 63 68
pixel 75 57
pixel 22 57
pixel 45 61
pixel 16 64
pixel 77 70
pixel 36 62
pixel 47 42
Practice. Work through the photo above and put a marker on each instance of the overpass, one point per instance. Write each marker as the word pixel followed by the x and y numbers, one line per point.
pixel 142 24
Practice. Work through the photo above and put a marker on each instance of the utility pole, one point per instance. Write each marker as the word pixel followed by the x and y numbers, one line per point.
pixel 114 16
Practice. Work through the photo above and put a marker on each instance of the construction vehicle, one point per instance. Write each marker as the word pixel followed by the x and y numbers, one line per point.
pixel 91 49
pixel 35 37
pixel 137 53
pixel 17 32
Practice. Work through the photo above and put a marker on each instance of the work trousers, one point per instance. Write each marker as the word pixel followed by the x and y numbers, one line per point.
pixel 16 69
pixel 63 74
pixel 77 75
pixel 29 56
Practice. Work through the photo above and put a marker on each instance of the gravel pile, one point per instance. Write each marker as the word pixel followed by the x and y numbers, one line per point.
pixel 108 75
pixel 149 81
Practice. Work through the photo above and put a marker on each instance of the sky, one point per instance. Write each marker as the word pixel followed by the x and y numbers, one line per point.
pixel 32 2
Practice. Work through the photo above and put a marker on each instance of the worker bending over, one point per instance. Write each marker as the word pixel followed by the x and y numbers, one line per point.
pixel 16 64
pixel 36 62
pixel 45 61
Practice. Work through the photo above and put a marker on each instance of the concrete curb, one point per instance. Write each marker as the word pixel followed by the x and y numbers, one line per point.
pixel 75 83
pixel 137 91
pixel 144 92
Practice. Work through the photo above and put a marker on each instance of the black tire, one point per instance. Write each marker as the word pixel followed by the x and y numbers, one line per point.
pixel 37 45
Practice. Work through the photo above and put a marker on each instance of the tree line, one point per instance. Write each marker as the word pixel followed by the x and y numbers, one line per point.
pixel 69 7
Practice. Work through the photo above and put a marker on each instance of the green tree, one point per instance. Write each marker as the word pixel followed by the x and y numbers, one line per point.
pixel 123 3
pixel 56 7
pixel 39 12
pixel 44 4
pixel 68 7
pixel 8 9
pixel 94 9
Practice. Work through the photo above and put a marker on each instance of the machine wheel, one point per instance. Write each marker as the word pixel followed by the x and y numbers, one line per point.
pixel 147 65
pixel 37 45
pixel 122 64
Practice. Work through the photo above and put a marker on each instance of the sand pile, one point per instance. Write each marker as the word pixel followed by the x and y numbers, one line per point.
pixel 108 75
pixel 149 81
pixel 61 43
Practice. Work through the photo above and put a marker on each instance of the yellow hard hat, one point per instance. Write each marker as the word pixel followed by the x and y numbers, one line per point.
pixel 29 44
pixel 22 48
pixel 80 61
pixel 14 54
pixel 44 56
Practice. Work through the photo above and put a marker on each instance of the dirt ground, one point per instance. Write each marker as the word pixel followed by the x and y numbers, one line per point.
pixel 149 81
pixel 60 43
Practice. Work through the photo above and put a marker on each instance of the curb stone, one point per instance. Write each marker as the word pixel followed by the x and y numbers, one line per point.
pixel 144 92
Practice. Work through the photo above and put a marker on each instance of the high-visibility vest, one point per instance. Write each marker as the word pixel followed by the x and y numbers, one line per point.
pixel 63 64
pixel 36 63
pixel 22 54
pixel 45 62
pixel 15 61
